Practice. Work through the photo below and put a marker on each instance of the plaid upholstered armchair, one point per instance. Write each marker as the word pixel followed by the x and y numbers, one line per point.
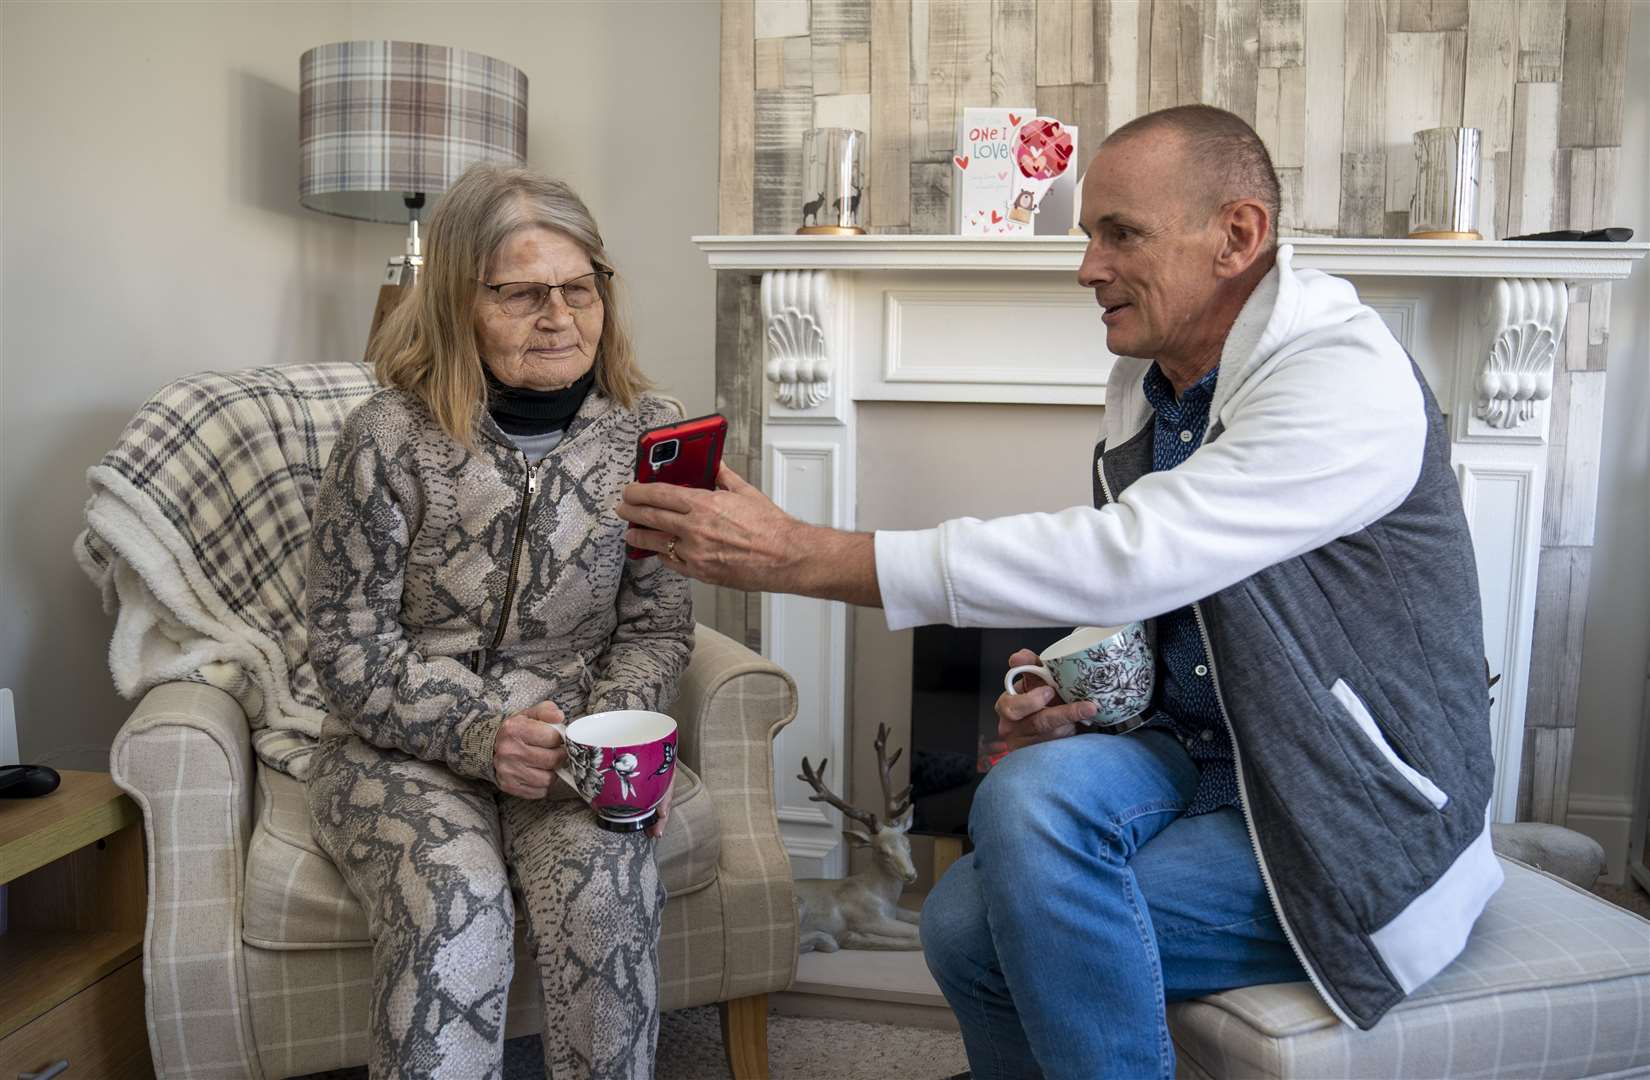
pixel 256 956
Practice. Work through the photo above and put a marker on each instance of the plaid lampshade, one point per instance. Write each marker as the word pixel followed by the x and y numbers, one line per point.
pixel 378 119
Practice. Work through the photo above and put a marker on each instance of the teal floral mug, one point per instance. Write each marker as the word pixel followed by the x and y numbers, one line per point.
pixel 1111 666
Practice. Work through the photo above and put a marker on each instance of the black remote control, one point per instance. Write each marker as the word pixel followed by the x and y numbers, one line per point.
pixel 27 781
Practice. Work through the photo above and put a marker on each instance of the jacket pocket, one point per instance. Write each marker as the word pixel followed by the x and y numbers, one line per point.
pixel 1355 708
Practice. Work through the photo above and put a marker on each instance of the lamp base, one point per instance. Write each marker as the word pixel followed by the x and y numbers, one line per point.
pixel 830 230
pixel 398 280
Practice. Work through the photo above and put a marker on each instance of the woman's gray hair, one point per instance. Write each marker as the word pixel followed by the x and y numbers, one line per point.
pixel 428 345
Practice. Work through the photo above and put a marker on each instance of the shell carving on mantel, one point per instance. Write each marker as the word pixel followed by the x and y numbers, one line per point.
pixel 1525 320
pixel 796 309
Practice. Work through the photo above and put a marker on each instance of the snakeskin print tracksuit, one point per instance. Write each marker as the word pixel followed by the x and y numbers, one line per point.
pixel 447 589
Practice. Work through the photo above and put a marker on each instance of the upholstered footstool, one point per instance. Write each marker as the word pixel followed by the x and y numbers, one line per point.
pixel 1554 982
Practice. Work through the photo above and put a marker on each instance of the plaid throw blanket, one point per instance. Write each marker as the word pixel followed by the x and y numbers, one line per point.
pixel 196 533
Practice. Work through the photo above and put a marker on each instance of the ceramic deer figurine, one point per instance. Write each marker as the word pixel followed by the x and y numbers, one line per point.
pixel 862 911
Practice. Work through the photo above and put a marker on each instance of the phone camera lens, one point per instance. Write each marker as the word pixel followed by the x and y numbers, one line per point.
pixel 664 453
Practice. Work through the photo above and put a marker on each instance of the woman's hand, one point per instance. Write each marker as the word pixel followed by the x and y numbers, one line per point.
pixel 528 751
pixel 657 829
pixel 1027 718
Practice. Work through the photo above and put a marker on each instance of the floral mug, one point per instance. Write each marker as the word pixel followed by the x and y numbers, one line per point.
pixel 1111 666
pixel 621 763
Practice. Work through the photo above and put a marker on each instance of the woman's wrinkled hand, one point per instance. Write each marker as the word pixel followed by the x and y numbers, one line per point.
pixel 1037 714
pixel 528 751
pixel 657 829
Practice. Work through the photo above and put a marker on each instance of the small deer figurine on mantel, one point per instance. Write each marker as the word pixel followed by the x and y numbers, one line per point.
pixel 862 911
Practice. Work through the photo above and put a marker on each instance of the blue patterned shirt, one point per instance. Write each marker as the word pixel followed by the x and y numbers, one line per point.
pixel 1184 702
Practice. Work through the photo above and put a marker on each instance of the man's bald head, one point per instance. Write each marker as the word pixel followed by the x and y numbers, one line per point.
pixel 1223 155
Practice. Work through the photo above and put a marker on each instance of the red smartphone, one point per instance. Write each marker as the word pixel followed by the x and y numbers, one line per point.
pixel 687 453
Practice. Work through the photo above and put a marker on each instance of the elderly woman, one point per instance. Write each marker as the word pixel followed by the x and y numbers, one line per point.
pixel 468 585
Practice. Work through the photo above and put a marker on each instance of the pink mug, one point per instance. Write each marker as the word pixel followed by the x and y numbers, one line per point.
pixel 621 763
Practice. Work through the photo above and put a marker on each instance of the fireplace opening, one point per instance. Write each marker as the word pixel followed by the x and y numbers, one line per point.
pixel 956 678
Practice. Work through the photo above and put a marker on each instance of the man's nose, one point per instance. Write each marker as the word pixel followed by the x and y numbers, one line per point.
pixel 1095 269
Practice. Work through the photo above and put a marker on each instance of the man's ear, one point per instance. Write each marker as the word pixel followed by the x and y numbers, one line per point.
pixel 1247 229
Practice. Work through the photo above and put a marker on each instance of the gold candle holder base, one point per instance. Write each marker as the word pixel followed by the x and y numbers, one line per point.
pixel 1472 235
pixel 830 230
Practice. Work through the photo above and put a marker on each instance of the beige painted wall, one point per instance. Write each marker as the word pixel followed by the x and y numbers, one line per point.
pixel 151 227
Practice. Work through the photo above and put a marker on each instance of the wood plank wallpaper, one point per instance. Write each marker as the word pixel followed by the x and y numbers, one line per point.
pixel 1336 88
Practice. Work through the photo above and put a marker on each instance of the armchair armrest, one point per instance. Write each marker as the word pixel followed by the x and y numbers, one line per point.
pixel 730 694
pixel 185 757
pixel 731 705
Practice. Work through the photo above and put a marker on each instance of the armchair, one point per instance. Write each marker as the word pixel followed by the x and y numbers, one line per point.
pixel 256 960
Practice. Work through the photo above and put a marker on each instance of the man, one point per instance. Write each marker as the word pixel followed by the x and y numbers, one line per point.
pixel 1273 486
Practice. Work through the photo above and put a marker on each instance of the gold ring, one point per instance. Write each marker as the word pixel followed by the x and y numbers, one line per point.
pixel 670 549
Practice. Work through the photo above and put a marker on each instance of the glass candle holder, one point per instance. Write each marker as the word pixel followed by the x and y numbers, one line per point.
pixel 833 182
pixel 1445 204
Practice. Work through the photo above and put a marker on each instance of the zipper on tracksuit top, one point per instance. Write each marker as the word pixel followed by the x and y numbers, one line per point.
pixel 528 490
pixel 1243 791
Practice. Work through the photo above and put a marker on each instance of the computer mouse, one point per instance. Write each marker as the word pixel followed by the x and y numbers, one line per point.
pixel 27 781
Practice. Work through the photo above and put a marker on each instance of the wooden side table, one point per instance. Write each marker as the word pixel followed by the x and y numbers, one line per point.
pixel 71 968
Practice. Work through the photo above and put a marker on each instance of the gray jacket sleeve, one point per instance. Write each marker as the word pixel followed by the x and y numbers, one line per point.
pixel 650 647
pixel 369 674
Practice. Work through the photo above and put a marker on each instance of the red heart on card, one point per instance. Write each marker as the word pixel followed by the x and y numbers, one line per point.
pixel 1013 120
pixel 1002 176
pixel 962 162
pixel 995 217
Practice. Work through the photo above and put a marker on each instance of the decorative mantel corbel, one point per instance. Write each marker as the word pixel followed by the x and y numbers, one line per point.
pixel 1524 320
pixel 797 308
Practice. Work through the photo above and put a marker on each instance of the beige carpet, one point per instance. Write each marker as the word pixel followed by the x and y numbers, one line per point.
pixel 690 1048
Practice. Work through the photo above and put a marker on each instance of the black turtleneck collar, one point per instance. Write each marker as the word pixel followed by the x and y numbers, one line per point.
pixel 520 411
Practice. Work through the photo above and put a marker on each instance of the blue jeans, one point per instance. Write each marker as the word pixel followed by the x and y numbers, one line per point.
pixel 1087 903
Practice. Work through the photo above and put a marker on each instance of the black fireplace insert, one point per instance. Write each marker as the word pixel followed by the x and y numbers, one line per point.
pixel 956 677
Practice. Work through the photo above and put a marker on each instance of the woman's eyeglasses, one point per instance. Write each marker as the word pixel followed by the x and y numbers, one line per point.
pixel 530 297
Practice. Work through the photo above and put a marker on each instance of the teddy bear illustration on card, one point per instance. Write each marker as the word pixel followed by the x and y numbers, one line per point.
pixel 1024 207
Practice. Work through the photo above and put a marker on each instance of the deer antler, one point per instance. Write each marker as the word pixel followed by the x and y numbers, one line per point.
pixel 897 804
pixel 826 795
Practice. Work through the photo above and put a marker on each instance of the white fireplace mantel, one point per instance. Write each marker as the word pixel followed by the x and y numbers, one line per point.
pixel 945 319
pixel 1571 262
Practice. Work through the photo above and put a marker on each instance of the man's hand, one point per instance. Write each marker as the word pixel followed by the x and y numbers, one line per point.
pixel 528 751
pixel 1028 717
pixel 736 536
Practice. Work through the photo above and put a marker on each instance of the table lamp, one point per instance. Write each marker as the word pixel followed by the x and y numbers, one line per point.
pixel 386 126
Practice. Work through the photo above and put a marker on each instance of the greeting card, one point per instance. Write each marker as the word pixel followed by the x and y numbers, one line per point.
pixel 1013 174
